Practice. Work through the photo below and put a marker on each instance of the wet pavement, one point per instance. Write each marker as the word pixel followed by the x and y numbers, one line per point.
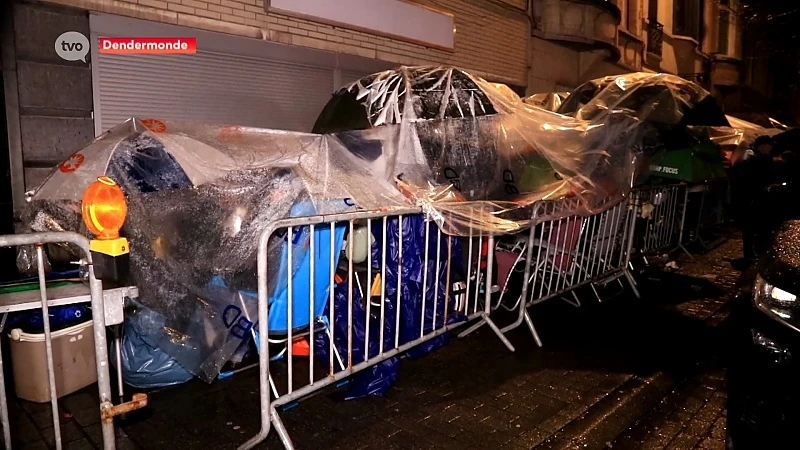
pixel 626 373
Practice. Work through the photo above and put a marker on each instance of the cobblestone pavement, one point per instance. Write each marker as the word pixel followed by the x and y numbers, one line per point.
pixel 693 414
pixel 624 373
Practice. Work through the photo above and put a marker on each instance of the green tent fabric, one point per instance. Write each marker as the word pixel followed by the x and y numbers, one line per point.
pixel 694 164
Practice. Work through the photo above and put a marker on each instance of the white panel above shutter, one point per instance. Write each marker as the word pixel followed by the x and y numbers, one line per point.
pixel 210 87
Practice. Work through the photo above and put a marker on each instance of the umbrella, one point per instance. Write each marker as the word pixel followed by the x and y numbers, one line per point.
pixel 136 156
pixel 410 93
pixel 788 140
pixel 439 131
pixel 654 97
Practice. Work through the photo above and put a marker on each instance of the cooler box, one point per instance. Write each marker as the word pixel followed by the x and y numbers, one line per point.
pixel 73 362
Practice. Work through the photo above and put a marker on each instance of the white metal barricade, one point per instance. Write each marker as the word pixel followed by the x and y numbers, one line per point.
pixel 107 307
pixel 712 199
pixel 564 252
pixel 661 213
pixel 409 280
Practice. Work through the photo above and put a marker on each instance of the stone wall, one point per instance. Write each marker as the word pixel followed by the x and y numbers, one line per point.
pixel 55 96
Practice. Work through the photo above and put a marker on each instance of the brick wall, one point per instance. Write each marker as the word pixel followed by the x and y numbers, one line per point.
pixel 491 36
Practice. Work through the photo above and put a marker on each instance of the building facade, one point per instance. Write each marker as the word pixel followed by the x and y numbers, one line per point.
pixel 274 63
pixel 698 40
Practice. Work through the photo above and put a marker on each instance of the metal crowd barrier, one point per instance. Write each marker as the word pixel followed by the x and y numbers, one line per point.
pixel 107 307
pixel 374 303
pixel 560 254
pixel 661 218
pixel 371 300
pixel 564 251
pixel 712 201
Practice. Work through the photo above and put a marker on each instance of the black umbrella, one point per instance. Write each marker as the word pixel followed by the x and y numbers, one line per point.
pixel 379 99
pixel 656 98
pixel 788 140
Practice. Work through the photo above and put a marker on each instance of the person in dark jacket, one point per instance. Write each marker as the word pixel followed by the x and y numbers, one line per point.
pixel 749 179
pixel 786 168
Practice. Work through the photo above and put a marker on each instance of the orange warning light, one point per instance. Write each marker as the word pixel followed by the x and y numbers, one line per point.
pixel 104 208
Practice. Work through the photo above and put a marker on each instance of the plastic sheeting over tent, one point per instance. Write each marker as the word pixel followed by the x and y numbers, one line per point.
pixel 474 154
pixel 739 133
pixel 737 138
pixel 656 98
pixel 550 101
pixel 199 198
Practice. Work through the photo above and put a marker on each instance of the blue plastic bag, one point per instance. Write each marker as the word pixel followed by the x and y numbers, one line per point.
pixel 413 279
pixel 373 381
pixel 144 365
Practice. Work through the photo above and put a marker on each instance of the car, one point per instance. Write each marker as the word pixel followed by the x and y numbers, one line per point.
pixel 763 335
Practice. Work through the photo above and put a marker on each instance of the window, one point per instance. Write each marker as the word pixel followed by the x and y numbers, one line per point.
pixel 724 29
pixel 687 18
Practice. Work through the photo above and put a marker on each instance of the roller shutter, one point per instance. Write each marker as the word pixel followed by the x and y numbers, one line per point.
pixel 210 87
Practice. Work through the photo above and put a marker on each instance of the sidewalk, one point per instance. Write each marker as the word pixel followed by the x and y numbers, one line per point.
pixel 693 414
pixel 594 383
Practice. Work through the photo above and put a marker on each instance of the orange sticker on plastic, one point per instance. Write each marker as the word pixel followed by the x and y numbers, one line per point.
pixel 72 164
pixel 231 133
pixel 154 125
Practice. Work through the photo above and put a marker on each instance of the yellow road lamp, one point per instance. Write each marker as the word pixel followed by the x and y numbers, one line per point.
pixel 104 210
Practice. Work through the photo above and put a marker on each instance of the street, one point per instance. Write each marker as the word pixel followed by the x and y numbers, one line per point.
pixel 626 373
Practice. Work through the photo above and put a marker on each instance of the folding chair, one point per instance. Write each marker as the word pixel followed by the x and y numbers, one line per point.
pixel 575 250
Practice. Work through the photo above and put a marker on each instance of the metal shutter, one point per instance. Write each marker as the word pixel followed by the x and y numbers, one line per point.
pixel 209 87
pixel 349 76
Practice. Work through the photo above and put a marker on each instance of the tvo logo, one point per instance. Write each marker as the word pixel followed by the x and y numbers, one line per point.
pixel 72 46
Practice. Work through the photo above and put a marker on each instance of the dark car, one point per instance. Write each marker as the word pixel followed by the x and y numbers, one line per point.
pixel 763 364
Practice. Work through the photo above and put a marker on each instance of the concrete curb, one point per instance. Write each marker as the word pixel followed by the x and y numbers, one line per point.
pixel 612 415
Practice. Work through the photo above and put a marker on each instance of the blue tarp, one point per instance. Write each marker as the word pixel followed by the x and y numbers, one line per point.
pixel 378 379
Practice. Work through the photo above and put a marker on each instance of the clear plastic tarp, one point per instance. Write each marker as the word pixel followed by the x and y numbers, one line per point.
pixel 738 137
pixel 471 153
pixel 740 133
pixel 658 98
pixel 550 101
pixel 199 198
pixel 477 155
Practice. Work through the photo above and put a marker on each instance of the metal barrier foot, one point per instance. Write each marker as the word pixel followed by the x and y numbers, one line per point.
pixel 632 282
pixel 280 428
pixel 108 411
pixel 683 248
pixel 596 293
pixel 499 333
pixel 473 328
pixel 485 320
pixel 531 327
pixel 576 303
pixel 257 439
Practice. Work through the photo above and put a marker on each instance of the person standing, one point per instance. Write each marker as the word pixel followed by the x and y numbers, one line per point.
pixel 749 178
